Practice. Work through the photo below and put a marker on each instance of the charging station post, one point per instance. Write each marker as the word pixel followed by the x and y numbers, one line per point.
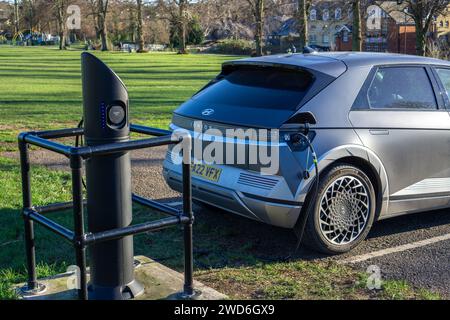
pixel 109 198
pixel 108 181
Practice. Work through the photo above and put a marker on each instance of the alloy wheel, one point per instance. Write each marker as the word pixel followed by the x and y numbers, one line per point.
pixel 344 210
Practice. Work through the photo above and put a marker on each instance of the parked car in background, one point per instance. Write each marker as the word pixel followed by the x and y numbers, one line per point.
pixel 382 137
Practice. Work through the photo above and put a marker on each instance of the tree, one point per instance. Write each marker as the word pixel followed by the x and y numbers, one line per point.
pixel 176 12
pixel 229 18
pixel 60 13
pixel 182 17
pixel 302 21
pixel 194 34
pixel 16 17
pixel 102 11
pixel 132 27
pixel 99 10
pixel 423 13
pixel 140 25
pixel 29 4
pixel 357 28
pixel 257 8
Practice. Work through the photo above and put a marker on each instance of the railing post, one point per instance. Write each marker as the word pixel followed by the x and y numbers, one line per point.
pixel 79 238
pixel 32 284
pixel 80 246
pixel 188 245
pixel 188 290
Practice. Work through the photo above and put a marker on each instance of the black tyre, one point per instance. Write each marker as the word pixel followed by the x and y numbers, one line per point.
pixel 343 212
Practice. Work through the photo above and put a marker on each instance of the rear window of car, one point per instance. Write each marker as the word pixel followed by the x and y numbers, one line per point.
pixel 257 87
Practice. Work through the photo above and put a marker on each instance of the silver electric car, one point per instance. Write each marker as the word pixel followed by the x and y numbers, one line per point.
pixel 379 124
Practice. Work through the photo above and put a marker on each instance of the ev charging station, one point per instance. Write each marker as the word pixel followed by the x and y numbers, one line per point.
pixel 108 181
pixel 109 238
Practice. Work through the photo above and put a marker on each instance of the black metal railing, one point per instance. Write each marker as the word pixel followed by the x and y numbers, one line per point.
pixel 78 237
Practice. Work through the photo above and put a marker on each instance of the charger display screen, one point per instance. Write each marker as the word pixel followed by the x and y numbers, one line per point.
pixel 116 115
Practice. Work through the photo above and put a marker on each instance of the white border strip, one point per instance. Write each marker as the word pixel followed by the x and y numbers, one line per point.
pixel 401 248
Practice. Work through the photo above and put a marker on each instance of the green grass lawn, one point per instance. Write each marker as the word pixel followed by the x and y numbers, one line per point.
pixel 40 88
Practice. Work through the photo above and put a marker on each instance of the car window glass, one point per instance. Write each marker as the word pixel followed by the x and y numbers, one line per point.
pixel 253 87
pixel 444 75
pixel 401 88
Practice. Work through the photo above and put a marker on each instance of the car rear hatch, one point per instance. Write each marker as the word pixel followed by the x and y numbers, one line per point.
pixel 262 92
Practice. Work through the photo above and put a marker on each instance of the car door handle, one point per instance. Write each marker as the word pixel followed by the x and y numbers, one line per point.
pixel 379 132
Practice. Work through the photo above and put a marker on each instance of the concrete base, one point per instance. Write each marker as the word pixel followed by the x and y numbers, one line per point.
pixel 160 283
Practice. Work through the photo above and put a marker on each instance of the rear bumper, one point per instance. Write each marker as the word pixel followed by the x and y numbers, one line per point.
pixel 239 199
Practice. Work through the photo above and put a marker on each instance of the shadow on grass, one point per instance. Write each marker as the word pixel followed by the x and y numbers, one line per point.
pixel 50 249
pixel 223 239
pixel 220 240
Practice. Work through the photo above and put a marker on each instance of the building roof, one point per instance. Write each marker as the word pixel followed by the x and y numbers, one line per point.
pixel 345 27
pixel 396 11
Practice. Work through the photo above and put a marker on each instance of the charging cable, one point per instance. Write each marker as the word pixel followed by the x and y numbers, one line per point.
pixel 79 140
pixel 301 224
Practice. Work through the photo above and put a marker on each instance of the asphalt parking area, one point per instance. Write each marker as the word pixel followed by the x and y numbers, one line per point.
pixel 420 245
pixel 414 247
pixel 426 265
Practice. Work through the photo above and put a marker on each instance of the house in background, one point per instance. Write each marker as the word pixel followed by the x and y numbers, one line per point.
pixel 344 38
pixel 325 19
pixel 441 27
pixel 385 28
